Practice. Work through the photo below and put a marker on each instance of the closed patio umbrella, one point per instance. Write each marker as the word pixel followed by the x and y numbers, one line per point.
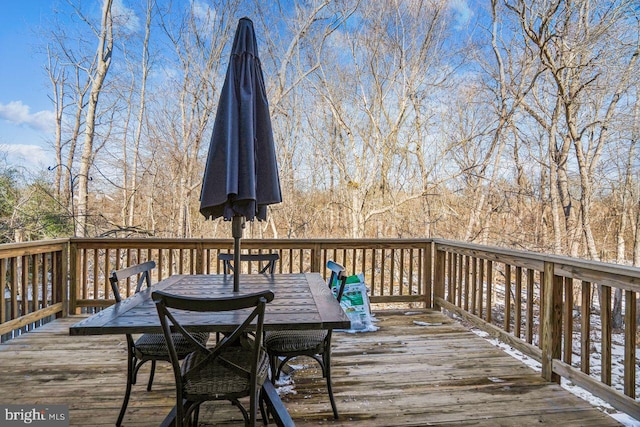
pixel 241 174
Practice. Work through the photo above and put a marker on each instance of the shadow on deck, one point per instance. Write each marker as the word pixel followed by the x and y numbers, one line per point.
pixel 434 372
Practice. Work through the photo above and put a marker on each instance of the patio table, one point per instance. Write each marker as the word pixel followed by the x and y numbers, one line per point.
pixel 302 301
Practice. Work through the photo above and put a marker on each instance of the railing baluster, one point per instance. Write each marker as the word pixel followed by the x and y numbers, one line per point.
pixel 427 289
pixel 14 288
pixel 24 285
pixel 480 296
pixel 95 274
pixel 129 263
pixel 568 320
pixel 449 285
pixel 3 301
pixel 383 261
pixel 605 321
pixel 401 273
pixel 460 283
pixel 34 283
pixel 373 270
pixel 474 285
pixel 490 290
pixel 59 275
pixel 630 330
pixel 507 298
pixel 518 303
pixel 466 282
pixel 530 304
pixel 585 328
pixel 392 270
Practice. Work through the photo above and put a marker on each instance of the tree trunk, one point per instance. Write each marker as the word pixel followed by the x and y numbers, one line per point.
pixel 103 56
pixel 133 184
pixel 57 78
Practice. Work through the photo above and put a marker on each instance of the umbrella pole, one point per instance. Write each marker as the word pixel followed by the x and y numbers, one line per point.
pixel 237 226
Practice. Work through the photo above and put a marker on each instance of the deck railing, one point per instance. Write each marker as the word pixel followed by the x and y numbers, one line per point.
pixel 539 304
pixel 397 271
pixel 34 286
pixel 542 305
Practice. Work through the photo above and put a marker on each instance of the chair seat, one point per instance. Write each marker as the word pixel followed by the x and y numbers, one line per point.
pixel 283 346
pixel 294 340
pixel 156 345
pixel 215 377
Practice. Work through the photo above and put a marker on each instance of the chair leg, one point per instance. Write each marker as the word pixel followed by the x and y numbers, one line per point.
pixel 331 398
pixel 196 415
pixel 263 412
pixel 130 379
pixel 153 371
pixel 185 413
pixel 273 364
pixel 242 409
pixel 253 407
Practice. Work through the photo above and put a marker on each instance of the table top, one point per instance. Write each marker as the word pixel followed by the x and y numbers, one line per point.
pixel 302 301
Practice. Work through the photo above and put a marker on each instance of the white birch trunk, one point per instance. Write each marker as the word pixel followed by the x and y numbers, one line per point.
pixel 103 56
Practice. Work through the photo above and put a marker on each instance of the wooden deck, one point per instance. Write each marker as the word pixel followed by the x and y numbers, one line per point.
pixel 404 374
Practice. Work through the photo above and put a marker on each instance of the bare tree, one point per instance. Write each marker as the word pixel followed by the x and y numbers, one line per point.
pixel 577 43
pixel 102 58
pixel 290 60
pixel 370 105
pixel 486 123
pixel 180 126
pixel 139 68
pixel 58 79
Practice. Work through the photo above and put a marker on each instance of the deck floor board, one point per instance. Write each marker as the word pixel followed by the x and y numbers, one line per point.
pixel 416 370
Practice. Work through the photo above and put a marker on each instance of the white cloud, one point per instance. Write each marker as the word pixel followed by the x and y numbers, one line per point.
pixel 17 113
pixel 202 10
pixel 125 17
pixel 462 12
pixel 30 157
pixel 204 15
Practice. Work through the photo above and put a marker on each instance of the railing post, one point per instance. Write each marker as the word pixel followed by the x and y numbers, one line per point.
pixel 199 258
pixel 605 330
pixel 438 280
pixel 551 323
pixel 316 258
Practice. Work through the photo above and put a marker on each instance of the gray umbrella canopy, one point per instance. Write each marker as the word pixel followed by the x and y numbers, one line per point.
pixel 241 174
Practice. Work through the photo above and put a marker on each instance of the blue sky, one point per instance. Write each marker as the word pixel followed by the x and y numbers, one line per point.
pixel 26 126
pixel 26 115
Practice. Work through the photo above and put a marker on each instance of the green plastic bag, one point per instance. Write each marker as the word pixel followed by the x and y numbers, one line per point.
pixel 355 303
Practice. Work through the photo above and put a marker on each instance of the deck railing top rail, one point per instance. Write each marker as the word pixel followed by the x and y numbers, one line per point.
pixel 9 250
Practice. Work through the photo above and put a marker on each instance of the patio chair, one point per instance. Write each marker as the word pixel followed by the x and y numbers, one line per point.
pixel 236 367
pixel 269 260
pixel 287 344
pixel 148 347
